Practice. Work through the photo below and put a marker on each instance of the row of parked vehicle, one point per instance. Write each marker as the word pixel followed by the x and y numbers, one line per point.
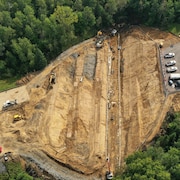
pixel 170 64
pixel 174 80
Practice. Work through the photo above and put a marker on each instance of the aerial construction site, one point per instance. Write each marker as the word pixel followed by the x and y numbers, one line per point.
pixel 98 102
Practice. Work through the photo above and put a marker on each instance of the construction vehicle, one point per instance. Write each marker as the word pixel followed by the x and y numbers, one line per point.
pixel 99 33
pixel 109 174
pixel 113 32
pixel 100 39
pixel 17 117
pixel 99 44
pixel 161 44
pixel 52 78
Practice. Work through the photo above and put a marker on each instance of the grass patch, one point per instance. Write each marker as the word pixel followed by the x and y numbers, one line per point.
pixel 14 171
pixel 9 83
pixel 174 28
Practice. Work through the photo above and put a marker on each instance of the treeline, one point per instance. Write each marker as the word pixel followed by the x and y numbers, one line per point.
pixel 158 13
pixel 160 161
pixel 13 171
pixel 33 32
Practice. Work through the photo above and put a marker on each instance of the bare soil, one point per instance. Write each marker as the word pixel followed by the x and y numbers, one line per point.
pixel 106 104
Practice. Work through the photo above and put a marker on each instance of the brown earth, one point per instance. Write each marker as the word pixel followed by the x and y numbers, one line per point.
pixel 106 103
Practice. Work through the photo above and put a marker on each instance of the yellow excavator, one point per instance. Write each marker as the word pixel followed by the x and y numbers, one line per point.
pixel 99 33
pixel 17 117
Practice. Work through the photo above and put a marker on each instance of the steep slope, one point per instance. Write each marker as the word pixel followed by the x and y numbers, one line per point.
pixel 106 103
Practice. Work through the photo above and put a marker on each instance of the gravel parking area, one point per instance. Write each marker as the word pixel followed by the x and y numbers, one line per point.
pixel 174 48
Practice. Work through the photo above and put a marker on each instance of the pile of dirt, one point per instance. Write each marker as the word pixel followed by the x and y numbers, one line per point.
pixel 26 79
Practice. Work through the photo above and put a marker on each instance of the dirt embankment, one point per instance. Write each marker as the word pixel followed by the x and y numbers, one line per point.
pixel 106 102
pixel 144 104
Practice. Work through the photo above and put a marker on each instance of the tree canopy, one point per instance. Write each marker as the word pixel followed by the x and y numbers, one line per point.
pixel 160 161
pixel 33 32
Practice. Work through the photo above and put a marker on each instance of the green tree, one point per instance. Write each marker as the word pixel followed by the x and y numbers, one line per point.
pixel 86 21
pixel 19 22
pixel 65 15
pixel 2 68
pixel 5 18
pixel 6 34
pixel 171 160
pixel 40 8
pixel 22 57
pixel 2 48
pixel 78 6
pixel 40 60
pixel 24 176
pixel 145 168
pixel 64 18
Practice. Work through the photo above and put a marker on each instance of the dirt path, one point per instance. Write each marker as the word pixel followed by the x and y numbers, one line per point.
pixel 19 93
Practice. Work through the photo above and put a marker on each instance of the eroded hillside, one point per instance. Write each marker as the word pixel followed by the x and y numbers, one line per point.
pixel 105 103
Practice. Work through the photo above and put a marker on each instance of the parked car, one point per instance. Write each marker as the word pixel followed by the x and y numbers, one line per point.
pixel 169 55
pixel 177 84
pixel 171 69
pixel 9 104
pixel 170 82
pixel 170 63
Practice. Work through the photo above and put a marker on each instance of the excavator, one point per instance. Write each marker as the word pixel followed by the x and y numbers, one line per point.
pixel 161 45
pixel 109 174
pixel 17 117
pixel 99 39
pixel 52 80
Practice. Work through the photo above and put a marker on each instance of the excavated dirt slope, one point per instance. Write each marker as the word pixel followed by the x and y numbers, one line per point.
pixel 106 103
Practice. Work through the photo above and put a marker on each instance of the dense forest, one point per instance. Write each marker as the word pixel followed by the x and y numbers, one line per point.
pixel 161 161
pixel 34 32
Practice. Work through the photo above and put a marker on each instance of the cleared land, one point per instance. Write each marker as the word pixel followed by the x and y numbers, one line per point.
pixel 106 103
